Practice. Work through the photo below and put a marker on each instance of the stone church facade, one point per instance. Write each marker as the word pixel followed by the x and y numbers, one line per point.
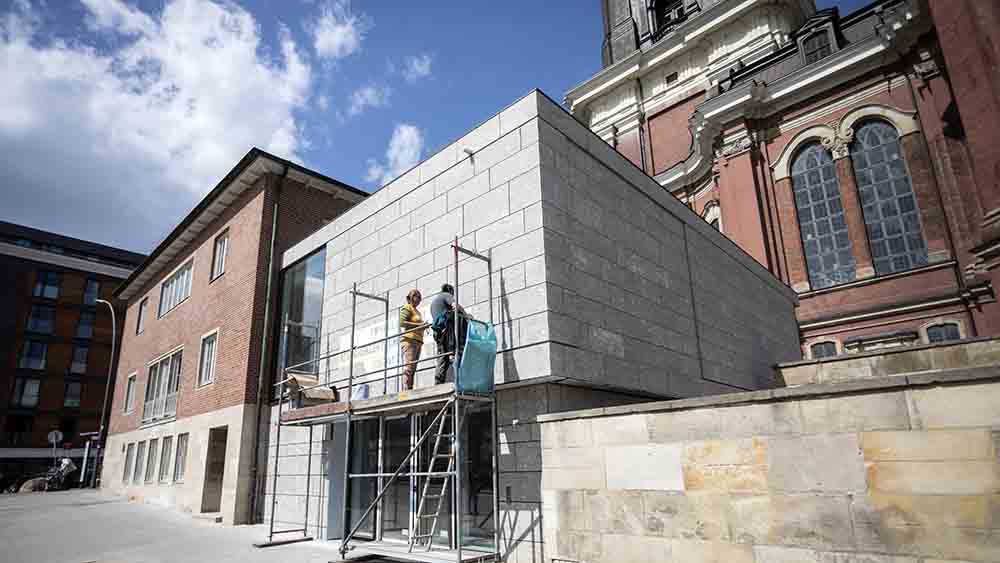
pixel 844 152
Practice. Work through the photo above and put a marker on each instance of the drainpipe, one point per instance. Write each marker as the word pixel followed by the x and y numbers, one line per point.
pixel 264 341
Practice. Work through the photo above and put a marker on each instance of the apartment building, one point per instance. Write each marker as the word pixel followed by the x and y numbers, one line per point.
pixel 184 421
pixel 55 343
pixel 838 149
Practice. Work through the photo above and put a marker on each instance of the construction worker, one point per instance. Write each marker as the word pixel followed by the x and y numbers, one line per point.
pixel 411 342
pixel 443 318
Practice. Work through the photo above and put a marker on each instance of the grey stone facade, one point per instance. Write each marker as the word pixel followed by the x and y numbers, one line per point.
pixel 606 290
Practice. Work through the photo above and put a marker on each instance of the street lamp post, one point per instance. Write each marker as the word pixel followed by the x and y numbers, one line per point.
pixel 102 437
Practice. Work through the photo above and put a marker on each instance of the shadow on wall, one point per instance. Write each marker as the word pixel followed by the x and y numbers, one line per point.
pixel 510 372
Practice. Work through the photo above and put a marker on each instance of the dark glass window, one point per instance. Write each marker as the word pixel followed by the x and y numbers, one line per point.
pixel 817 46
pixel 47 284
pixel 33 355
pixel 825 240
pixel 302 313
pixel 17 430
pixel 73 391
pixel 823 350
pixel 942 333
pixel 92 292
pixel 26 391
pixel 86 327
pixel 887 199
pixel 80 353
pixel 42 319
pixel 140 317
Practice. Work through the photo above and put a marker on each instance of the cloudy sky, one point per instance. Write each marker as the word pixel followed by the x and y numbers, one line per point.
pixel 117 117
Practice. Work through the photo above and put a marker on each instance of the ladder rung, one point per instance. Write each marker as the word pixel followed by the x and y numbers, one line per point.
pixel 421 536
pixel 444 455
pixel 433 496
pixel 446 435
pixel 427 516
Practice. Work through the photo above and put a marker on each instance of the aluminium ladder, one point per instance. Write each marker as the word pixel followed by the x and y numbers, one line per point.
pixel 439 496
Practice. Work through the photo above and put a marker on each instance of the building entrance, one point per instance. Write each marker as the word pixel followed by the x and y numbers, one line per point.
pixel 215 470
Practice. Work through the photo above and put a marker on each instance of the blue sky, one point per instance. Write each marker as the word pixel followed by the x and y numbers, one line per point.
pixel 117 117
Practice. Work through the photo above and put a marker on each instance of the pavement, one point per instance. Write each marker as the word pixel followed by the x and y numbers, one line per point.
pixel 87 526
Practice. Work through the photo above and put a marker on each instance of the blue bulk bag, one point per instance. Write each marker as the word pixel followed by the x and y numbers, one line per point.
pixel 475 369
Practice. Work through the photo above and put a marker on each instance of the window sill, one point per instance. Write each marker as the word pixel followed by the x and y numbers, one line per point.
pixel 174 308
pixel 152 423
pixel 211 280
pixel 203 385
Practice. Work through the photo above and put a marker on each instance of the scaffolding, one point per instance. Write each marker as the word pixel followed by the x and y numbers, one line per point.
pixel 450 401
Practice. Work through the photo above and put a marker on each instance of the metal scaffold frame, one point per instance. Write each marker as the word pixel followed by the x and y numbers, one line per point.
pixel 453 400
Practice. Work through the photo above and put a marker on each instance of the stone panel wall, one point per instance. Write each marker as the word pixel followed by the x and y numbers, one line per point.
pixel 902 469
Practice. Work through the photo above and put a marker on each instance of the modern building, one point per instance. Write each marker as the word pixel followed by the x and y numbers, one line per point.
pixel 55 343
pixel 839 150
pixel 184 421
pixel 603 288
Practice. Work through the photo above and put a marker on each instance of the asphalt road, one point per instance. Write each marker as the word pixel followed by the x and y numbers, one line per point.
pixel 90 527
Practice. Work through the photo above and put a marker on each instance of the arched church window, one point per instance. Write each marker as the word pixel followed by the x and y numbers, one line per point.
pixel 887 199
pixel 825 240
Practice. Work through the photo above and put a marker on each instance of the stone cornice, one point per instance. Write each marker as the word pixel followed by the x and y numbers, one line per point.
pixel 897 33
pixel 688 35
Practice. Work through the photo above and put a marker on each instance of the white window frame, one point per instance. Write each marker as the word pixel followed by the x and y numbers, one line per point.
pixel 127 470
pixel 201 359
pixel 152 459
pixel 942 321
pixel 219 258
pixel 166 447
pixel 184 290
pixel 130 393
pixel 140 458
pixel 837 345
pixel 140 320
pixel 167 407
pixel 180 457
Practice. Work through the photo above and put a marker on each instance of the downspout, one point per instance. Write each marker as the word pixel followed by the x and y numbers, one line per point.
pixel 264 342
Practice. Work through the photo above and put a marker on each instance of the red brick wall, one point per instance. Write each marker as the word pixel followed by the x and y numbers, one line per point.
pixel 670 139
pixel 233 302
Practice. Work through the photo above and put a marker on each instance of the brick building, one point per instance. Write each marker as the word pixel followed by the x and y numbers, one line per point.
pixel 55 342
pixel 184 415
pixel 844 152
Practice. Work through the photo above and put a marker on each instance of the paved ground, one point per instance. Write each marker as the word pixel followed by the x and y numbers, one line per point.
pixel 86 526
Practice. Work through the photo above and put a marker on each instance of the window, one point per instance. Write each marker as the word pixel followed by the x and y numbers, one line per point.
pixel 887 200
pixel 301 312
pixel 54 249
pixel 825 241
pixel 161 388
pixel 823 350
pixel 817 46
pixel 80 353
pixel 26 390
pixel 206 367
pixel 140 456
pixel 141 317
pixel 176 288
pixel 130 393
pixel 168 443
pixel 151 466
pixel 33 355
pixel 72 397
pixel 91 292
pixel 47 284
pixel 68 428
pixel 180 460
pixel 943 332
pixel 42 319
pixel 17 430
pixel 86 327
pixel 219 254
pixel 128 463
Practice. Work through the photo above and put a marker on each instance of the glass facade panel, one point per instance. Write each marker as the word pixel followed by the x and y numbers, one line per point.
pixel 825 240
pixel 887 199
pixel 42 319
pixel 302 313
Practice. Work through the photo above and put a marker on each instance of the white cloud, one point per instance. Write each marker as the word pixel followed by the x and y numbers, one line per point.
pixel 415 68
pixel 323 102
pixel 370 96
pixel 139 132
pixel 404 151
pixel 338 32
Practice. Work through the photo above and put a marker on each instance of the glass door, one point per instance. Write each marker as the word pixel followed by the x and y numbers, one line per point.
pixel 477 475
pixel 397 500
pixel 443 529
pixel 362 490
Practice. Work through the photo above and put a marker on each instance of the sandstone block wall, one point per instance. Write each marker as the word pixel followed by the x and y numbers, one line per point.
pixel 902 469
pixel 902 360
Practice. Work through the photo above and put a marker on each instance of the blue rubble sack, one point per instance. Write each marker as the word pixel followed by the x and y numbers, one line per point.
pixel 475 370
